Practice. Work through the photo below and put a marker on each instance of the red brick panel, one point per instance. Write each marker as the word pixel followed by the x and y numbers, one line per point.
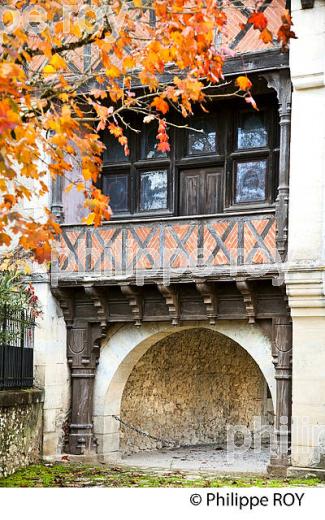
pixel 115 250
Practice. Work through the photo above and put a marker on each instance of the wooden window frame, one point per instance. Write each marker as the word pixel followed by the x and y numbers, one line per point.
pixel 226 157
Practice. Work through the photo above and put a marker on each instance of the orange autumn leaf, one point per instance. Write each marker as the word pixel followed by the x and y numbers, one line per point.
pixel 258 20
pixel 160 104
pixel 9 118
pixel 63 87
pixel 243 83
pixel 58 62
pixel 285 33
pixel 266 36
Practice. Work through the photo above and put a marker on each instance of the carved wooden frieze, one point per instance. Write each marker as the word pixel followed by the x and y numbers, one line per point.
pixel 66 301
pixel 135 299
pixel 100 305
pixel 208 293
pixel 171 296
pixel 307 4
pixel 249 300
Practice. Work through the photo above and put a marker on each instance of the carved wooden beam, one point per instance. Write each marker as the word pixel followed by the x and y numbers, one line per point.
pixel 209 296
pixel 66 302
pixel 307 4
pixel 100 305
pixel 248 296
pixel 172 301
pixel 135 300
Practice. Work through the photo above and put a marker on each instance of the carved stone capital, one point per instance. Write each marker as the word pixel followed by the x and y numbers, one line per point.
pixel 172 301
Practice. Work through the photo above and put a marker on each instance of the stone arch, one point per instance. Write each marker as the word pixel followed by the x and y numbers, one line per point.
pixel 123 350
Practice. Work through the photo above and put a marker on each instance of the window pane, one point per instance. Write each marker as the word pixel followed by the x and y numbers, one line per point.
pixel 153 190
pixel 149 144
pixel 202 143
pixel 250 181
pixel 117 187
pixel 251 131
pixel 113 152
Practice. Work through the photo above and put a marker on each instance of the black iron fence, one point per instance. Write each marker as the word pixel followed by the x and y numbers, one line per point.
pixel 16 348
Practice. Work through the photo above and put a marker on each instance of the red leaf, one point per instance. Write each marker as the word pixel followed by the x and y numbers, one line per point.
pixel 258 19
pixel 160 104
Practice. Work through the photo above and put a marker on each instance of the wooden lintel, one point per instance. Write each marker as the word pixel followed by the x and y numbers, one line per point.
pixel 135 300
pixel 208 293
pixel 249 301
pixel 172 301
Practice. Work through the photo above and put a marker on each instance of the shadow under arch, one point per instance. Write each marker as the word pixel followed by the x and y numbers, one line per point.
pixel 122 351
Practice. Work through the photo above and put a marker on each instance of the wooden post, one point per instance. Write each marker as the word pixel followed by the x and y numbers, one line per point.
pixel 57 202
pixel 83 357
pixel 281 83
pixel 282 359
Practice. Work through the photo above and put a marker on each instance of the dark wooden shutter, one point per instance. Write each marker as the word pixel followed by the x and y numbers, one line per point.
pixel 201 191
pixel 212 192
pixel 190 184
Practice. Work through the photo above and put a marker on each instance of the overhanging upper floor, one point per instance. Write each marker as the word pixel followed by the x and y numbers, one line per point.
pixel 215 207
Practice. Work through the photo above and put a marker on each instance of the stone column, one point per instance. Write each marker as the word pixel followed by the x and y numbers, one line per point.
pixel 83 357
pixel 282 359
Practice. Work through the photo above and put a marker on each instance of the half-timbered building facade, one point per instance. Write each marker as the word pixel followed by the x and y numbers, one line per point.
pixel 173 318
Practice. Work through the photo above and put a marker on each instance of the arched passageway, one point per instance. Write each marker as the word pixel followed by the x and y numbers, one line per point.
pixel 182 387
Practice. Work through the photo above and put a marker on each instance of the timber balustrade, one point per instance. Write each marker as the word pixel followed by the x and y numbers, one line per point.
pixel 170 247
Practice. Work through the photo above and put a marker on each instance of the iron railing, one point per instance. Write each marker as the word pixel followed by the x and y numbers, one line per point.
pixel 16 348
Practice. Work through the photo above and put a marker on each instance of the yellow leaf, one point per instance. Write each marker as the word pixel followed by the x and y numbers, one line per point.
pixel 87 175
pixel 57 62
pixel 49 69
pixel 137 3
pixel 90 219
pixel 113 72
pixel 68 188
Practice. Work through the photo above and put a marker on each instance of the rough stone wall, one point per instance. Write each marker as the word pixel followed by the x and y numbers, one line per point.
pixel 188 388
pixel 21 422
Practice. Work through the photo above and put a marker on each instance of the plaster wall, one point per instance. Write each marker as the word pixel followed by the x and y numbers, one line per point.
pixel 305 275
pixel 51 369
